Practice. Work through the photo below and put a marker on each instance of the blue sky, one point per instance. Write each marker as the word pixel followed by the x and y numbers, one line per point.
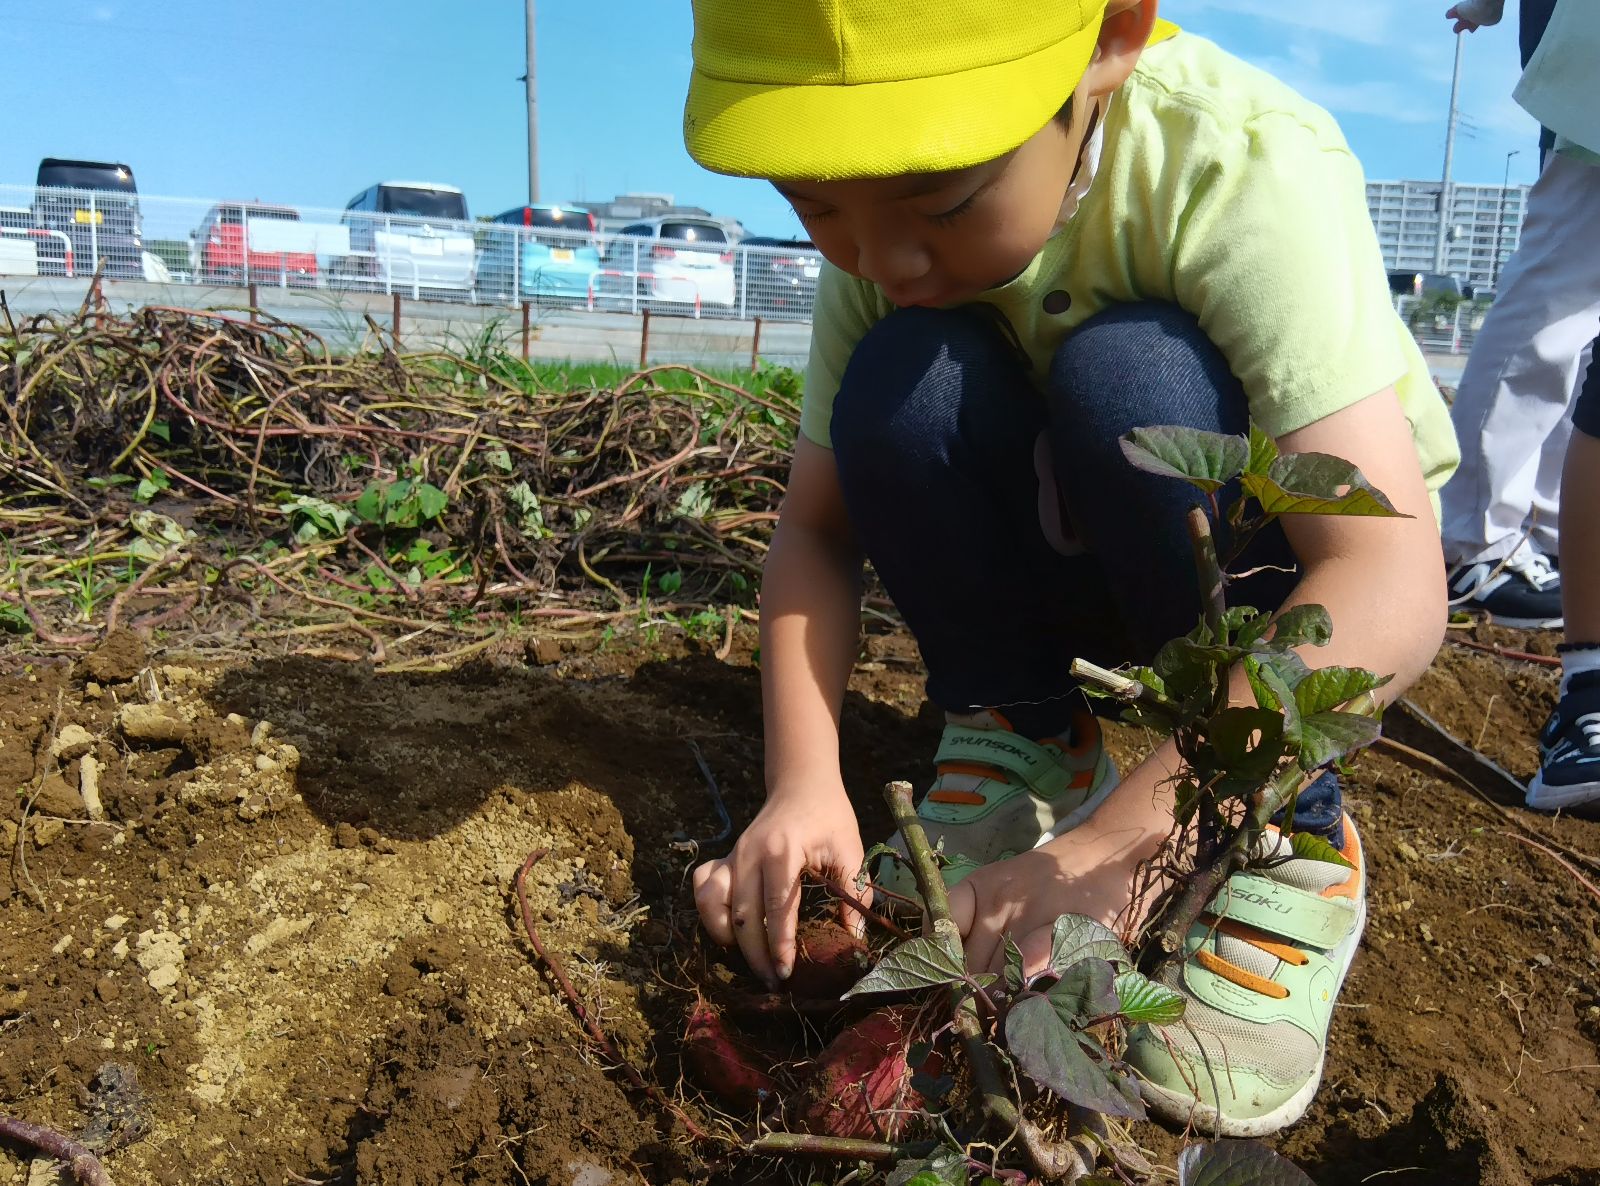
pixel 310 103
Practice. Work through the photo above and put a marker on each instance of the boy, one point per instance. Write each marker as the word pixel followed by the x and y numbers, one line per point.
pixel 1041 234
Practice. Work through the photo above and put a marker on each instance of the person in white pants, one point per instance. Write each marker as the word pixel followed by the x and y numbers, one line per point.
pixel 1512 410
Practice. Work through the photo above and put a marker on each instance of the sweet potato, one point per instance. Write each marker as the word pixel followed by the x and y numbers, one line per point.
pixel 720 1064
pixel 860 1085
pixel 829 959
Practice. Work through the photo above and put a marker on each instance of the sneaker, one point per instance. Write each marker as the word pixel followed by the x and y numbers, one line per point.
pixel 1524 591
pixel 1569 749
pixel 1263 971
pixel 996 794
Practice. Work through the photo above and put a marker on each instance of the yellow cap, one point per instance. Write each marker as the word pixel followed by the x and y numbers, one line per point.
pixel 834 89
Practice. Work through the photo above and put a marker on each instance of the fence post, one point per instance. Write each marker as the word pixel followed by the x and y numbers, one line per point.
pixel 394 323
pixel 644 339
pixel 252 300
pixel 755 349
pixel 526 324
pixel 94 235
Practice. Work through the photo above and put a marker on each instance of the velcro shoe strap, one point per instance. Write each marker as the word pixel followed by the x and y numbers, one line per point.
pixel 1298 915
pixel 1031 763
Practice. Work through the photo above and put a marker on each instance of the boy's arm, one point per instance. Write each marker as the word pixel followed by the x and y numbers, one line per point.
pixel 1382 582
pixel 810 623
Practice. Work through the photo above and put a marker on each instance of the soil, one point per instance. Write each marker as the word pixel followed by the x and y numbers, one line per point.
pixel 291 950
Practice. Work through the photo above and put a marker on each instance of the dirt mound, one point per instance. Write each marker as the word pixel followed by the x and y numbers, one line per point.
pixel 292 934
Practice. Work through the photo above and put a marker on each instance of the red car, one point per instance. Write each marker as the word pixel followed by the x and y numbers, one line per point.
pixel 221 247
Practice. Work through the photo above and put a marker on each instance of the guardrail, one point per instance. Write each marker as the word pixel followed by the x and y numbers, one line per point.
pixel 34 233
pixel 632 294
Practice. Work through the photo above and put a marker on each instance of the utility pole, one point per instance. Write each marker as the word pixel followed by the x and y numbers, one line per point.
pixel 1449 158
pixel 533 115
pixel 1500 222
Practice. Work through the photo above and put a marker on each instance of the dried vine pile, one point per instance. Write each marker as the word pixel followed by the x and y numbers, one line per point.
pixel 204 459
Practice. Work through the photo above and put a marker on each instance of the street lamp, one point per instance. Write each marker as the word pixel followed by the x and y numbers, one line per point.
pixel 1500 222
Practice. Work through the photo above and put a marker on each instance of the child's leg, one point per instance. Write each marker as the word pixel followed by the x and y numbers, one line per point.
pixel 1569 767
pixel 1136 366
pixel 934 431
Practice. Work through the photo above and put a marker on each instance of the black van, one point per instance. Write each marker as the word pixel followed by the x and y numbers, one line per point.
pixel 95 204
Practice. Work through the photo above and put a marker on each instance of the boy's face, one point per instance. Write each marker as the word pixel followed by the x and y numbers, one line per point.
pixel 942 238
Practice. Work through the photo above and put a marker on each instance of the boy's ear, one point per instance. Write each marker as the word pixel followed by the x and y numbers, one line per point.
pixel 1123 35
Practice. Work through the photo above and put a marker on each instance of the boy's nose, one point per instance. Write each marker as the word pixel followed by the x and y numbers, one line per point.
pixel 893 263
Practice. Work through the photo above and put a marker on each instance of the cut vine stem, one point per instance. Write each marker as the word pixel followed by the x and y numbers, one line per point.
pixel 1054 1160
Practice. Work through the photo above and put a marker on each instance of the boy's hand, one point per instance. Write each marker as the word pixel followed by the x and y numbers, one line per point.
pixel 1470 15
pixel 752 896
pixel 1022 897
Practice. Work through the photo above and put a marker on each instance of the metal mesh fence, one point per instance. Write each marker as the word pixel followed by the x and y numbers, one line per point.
pixel 411 239
pixel 545 266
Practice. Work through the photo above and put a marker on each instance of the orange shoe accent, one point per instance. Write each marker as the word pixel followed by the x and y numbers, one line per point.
pixel 999 716
pixel 1257 939
pixel 1086 734
pixel 1350 887
pixel 963 798
pixel 1228 971
pixel 1082 780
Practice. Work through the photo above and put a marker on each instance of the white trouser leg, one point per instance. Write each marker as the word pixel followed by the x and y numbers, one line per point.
pixel 1520 376
pixel 1546 511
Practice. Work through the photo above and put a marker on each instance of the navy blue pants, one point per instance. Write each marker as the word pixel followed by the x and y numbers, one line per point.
pixel 934 432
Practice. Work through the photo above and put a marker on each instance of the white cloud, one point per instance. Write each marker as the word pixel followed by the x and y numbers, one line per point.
pixel 1367 22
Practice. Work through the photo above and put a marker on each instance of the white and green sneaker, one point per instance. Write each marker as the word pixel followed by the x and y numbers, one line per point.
pixel 996 794
pixel 1263 970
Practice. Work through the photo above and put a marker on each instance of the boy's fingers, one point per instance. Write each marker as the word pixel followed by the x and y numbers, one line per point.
pixel 783 912
pixel 712 884
pixel 749 914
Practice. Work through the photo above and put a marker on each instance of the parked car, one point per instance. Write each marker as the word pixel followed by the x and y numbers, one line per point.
pixel 235 244
pixel 674 262
pixel 95 204
pixel 538 253
pixel 1421 284
pixel 778 276
pixel 408 235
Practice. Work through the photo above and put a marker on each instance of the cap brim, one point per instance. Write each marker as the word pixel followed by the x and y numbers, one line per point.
pixel 880 129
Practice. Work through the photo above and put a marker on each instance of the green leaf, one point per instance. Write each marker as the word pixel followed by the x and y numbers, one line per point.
pixel 1325 736
pixel 369 506
pixel 1074 937
pixel 1245 624
pixel 1057 1058
pixel 1263 452
pixel 149 487
pixel 694 502
pixel 1248 741
pixel 161 430
pixel 923 962
pixel 1237 1163
pixel 1302 624
pixel 1146 1002
pixel 943 1167
pixel 1316 484
pixel 499 457
pixel 1315 848
pixel 431 501
pixel 1085 992
pixel 1206 460
pixel 109 481
pixel 1015 978
pixel 1329 687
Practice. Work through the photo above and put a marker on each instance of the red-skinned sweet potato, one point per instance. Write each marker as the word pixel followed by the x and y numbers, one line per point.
pixel 829 959
pixel 860 1085
pixel 720 1064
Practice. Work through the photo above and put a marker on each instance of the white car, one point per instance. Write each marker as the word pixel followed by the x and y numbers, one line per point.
pixel 674 262
pixel 409 235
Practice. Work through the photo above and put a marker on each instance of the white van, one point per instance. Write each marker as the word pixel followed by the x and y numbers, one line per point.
pixel 410 236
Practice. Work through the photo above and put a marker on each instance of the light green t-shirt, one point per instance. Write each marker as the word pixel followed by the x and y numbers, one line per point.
pixel 1221 190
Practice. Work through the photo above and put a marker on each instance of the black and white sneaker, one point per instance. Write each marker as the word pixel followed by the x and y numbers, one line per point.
pixel 1524 591
pixel 1569 749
